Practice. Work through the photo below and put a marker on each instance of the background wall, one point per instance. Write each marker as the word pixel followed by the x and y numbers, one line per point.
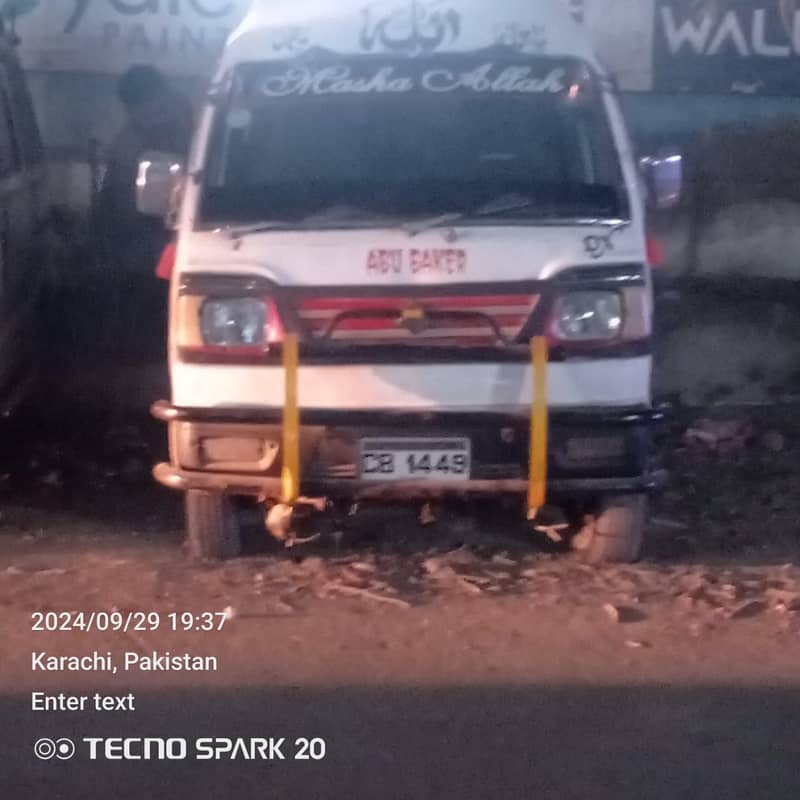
pixel 720 79
pixel 78 114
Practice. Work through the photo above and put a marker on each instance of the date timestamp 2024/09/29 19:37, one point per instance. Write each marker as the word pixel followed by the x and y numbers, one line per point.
pixel 137 621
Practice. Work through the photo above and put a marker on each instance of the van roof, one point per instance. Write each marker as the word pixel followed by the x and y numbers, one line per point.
pixel 281 29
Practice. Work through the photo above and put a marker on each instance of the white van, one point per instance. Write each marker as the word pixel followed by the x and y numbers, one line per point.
pixel 411 264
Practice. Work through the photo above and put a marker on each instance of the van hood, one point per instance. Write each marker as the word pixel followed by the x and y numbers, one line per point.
pixel 393 257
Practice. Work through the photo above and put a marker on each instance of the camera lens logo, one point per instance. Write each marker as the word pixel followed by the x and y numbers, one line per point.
pixel 47 749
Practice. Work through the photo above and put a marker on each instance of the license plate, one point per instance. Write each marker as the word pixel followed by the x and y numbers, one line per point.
pixel 415 459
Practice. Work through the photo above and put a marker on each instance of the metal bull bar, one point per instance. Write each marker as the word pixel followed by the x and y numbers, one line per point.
pixel 537 459
pixel 290 475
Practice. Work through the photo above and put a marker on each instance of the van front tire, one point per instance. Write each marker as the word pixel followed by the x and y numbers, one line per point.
pixel 616 535
pixel 213 532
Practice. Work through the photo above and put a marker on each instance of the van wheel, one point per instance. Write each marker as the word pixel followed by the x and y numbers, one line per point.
pixel 212 526
pixel 616 535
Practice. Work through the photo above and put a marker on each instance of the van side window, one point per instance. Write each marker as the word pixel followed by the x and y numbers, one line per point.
pixel 9 153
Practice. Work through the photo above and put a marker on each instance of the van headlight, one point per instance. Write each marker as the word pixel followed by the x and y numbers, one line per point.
pixel 584 316
pixel 234 322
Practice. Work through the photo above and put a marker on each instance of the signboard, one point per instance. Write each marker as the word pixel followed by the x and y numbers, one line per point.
pixel 724 46
pixel 182 37
pixel 706 46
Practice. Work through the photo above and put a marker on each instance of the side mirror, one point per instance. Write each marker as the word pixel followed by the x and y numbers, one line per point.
pixel 663 177
pixel 157 184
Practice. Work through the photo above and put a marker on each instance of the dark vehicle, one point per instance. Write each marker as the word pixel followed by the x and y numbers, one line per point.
pixel 23 213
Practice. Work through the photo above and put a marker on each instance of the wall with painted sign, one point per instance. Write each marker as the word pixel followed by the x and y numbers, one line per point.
pixel 74 49
pixel 686 65
pixel 727 46
pixel 699 46
pixel 183 37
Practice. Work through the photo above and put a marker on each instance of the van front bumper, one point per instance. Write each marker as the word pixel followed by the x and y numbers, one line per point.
pixel 589 452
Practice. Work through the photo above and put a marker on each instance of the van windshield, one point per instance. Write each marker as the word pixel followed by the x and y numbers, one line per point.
pixel 359 143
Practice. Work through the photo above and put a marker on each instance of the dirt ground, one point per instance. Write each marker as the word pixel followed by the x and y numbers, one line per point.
pixel 464 659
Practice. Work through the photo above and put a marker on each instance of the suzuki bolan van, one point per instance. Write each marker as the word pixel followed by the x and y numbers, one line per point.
pixel 411 264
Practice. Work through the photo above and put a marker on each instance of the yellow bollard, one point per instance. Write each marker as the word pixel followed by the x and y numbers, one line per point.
pixel 537 460
pixel 290 475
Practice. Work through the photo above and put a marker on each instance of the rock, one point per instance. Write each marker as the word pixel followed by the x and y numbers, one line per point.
pixel 774 441
pixel 686 602
pixel 447 576
pixel 583 539
pixel 730 591
pixel 723 436
pixel 785 596
pixel 463 556
pixel 282 607
pixel 50 573
pixel 467 585
pixel 633 644
pixel 52 478
pixel 442 572
pixel 363 567
pixel 312 564
pixel 668 524
pixel 366 594
pixel 748 610
pixel 623 614
pixel 503 560
pixel 478 580
pixel 427 515
pixel 12 570
pixel 698 629
pixel 433 566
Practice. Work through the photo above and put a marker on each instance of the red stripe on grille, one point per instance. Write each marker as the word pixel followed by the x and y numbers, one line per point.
pixel 507 312
pixel 354 304
pixel 378 324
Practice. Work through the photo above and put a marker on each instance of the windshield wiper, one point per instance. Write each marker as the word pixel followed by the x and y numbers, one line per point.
pixel 503 205
pixel 500 205
pixel 240 231
pixel 328 217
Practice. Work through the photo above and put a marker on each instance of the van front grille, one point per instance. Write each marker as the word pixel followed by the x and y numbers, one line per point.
pixel 476 320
